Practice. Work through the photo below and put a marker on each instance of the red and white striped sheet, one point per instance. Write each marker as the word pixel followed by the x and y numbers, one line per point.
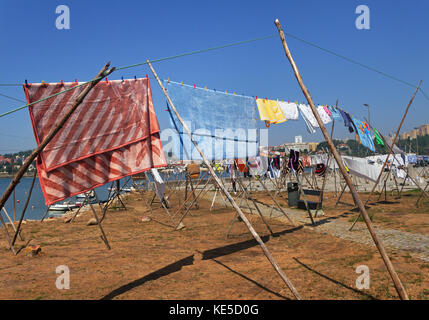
pixel 112 134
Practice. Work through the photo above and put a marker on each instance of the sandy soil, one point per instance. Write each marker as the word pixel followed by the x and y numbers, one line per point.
pixel 149 260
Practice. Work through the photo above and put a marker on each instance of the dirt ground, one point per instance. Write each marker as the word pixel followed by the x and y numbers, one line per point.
pixel 149 260
pixel 393 213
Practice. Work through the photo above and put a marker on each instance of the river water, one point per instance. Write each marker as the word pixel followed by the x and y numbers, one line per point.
pixel 36 207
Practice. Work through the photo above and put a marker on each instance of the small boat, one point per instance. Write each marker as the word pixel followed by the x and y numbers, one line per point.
pixel 91 194
pixel 65 206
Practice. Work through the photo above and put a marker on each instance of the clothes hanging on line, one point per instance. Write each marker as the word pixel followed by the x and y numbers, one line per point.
pixel 114 133
pixel 327 110
pixel 270 111
pixel 293 160
pixel 159 184
pixel 348 122
pixel 335 113
pixel 290 110
pixel 361 167
pixel 309 119
pixel 378 138
pixel 259 165
pixel 323 115
pixel 364 134
pixel 223 125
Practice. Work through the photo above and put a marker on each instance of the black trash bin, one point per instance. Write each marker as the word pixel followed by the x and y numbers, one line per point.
pixel 293 194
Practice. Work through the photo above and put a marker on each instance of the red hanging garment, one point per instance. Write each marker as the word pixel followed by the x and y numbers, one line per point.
pixel 113 133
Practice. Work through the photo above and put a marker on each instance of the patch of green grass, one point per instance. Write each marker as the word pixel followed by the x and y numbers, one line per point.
pixel 356 259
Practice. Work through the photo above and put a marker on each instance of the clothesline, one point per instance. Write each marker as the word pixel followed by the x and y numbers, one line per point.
pixel 240 43
pixel 307 116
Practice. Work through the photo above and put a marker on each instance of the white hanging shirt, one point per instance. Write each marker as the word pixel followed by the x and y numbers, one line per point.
pixel 290 110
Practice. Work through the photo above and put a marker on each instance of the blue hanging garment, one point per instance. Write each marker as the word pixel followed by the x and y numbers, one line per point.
pixel 362 130
pixel 223 125
pixel 348 122
pixel 335 113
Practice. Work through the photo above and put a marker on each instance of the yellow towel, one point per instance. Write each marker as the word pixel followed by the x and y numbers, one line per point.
pixel 269 110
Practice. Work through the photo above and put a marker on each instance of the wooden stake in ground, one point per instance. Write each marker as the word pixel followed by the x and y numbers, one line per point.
pixel 104 72
pixel 397 282
pixel 390 151
pixel 230 199
pixel 393 142
pixel 25 207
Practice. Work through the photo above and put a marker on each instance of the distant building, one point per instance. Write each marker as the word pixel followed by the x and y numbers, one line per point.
pixel 300 146
pixel 4 160
pixel 413 134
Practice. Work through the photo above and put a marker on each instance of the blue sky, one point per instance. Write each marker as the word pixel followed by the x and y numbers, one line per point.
pixel 128 32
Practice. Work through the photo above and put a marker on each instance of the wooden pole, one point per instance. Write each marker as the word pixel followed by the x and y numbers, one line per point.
pixel 103 235
pixel 397 282
pixel 327 168
pixel 103 73
pixel 25 208
pixel 230 199
pixel 393 143
pixel 382 169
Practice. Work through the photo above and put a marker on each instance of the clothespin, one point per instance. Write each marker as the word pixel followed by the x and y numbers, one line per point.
pixel 61 83
pixel 75 80
pixel 234 93
pixel 205 88
pixel 168 80
pixel 107 81
pixel 26 83
pixel 256 97
pixel 181 83
pixel 147 77
pixel 135 77
pixel 225 91
pixel 122 79
pixel 214 90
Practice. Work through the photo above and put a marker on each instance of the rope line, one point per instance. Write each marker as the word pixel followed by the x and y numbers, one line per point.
pixel 198 51
pixel 222 47
pixel 12 98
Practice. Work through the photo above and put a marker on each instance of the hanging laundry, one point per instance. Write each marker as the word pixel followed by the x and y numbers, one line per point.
pixel 223 125
pixel 241 165
pixel 348 122
pixel 274 167
pixel 364 134
pixel 378 139
pixel 293 160
pixel 269 110
pixel 259 165
pixel 112 115
pixel 306 161
pixel 327 110
pixel 290 110
pixel 395 149
pixel 159 184
pixel 309 119
pixel 112 134
pixel 361 167
pixel 323 115
pixel 335 113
